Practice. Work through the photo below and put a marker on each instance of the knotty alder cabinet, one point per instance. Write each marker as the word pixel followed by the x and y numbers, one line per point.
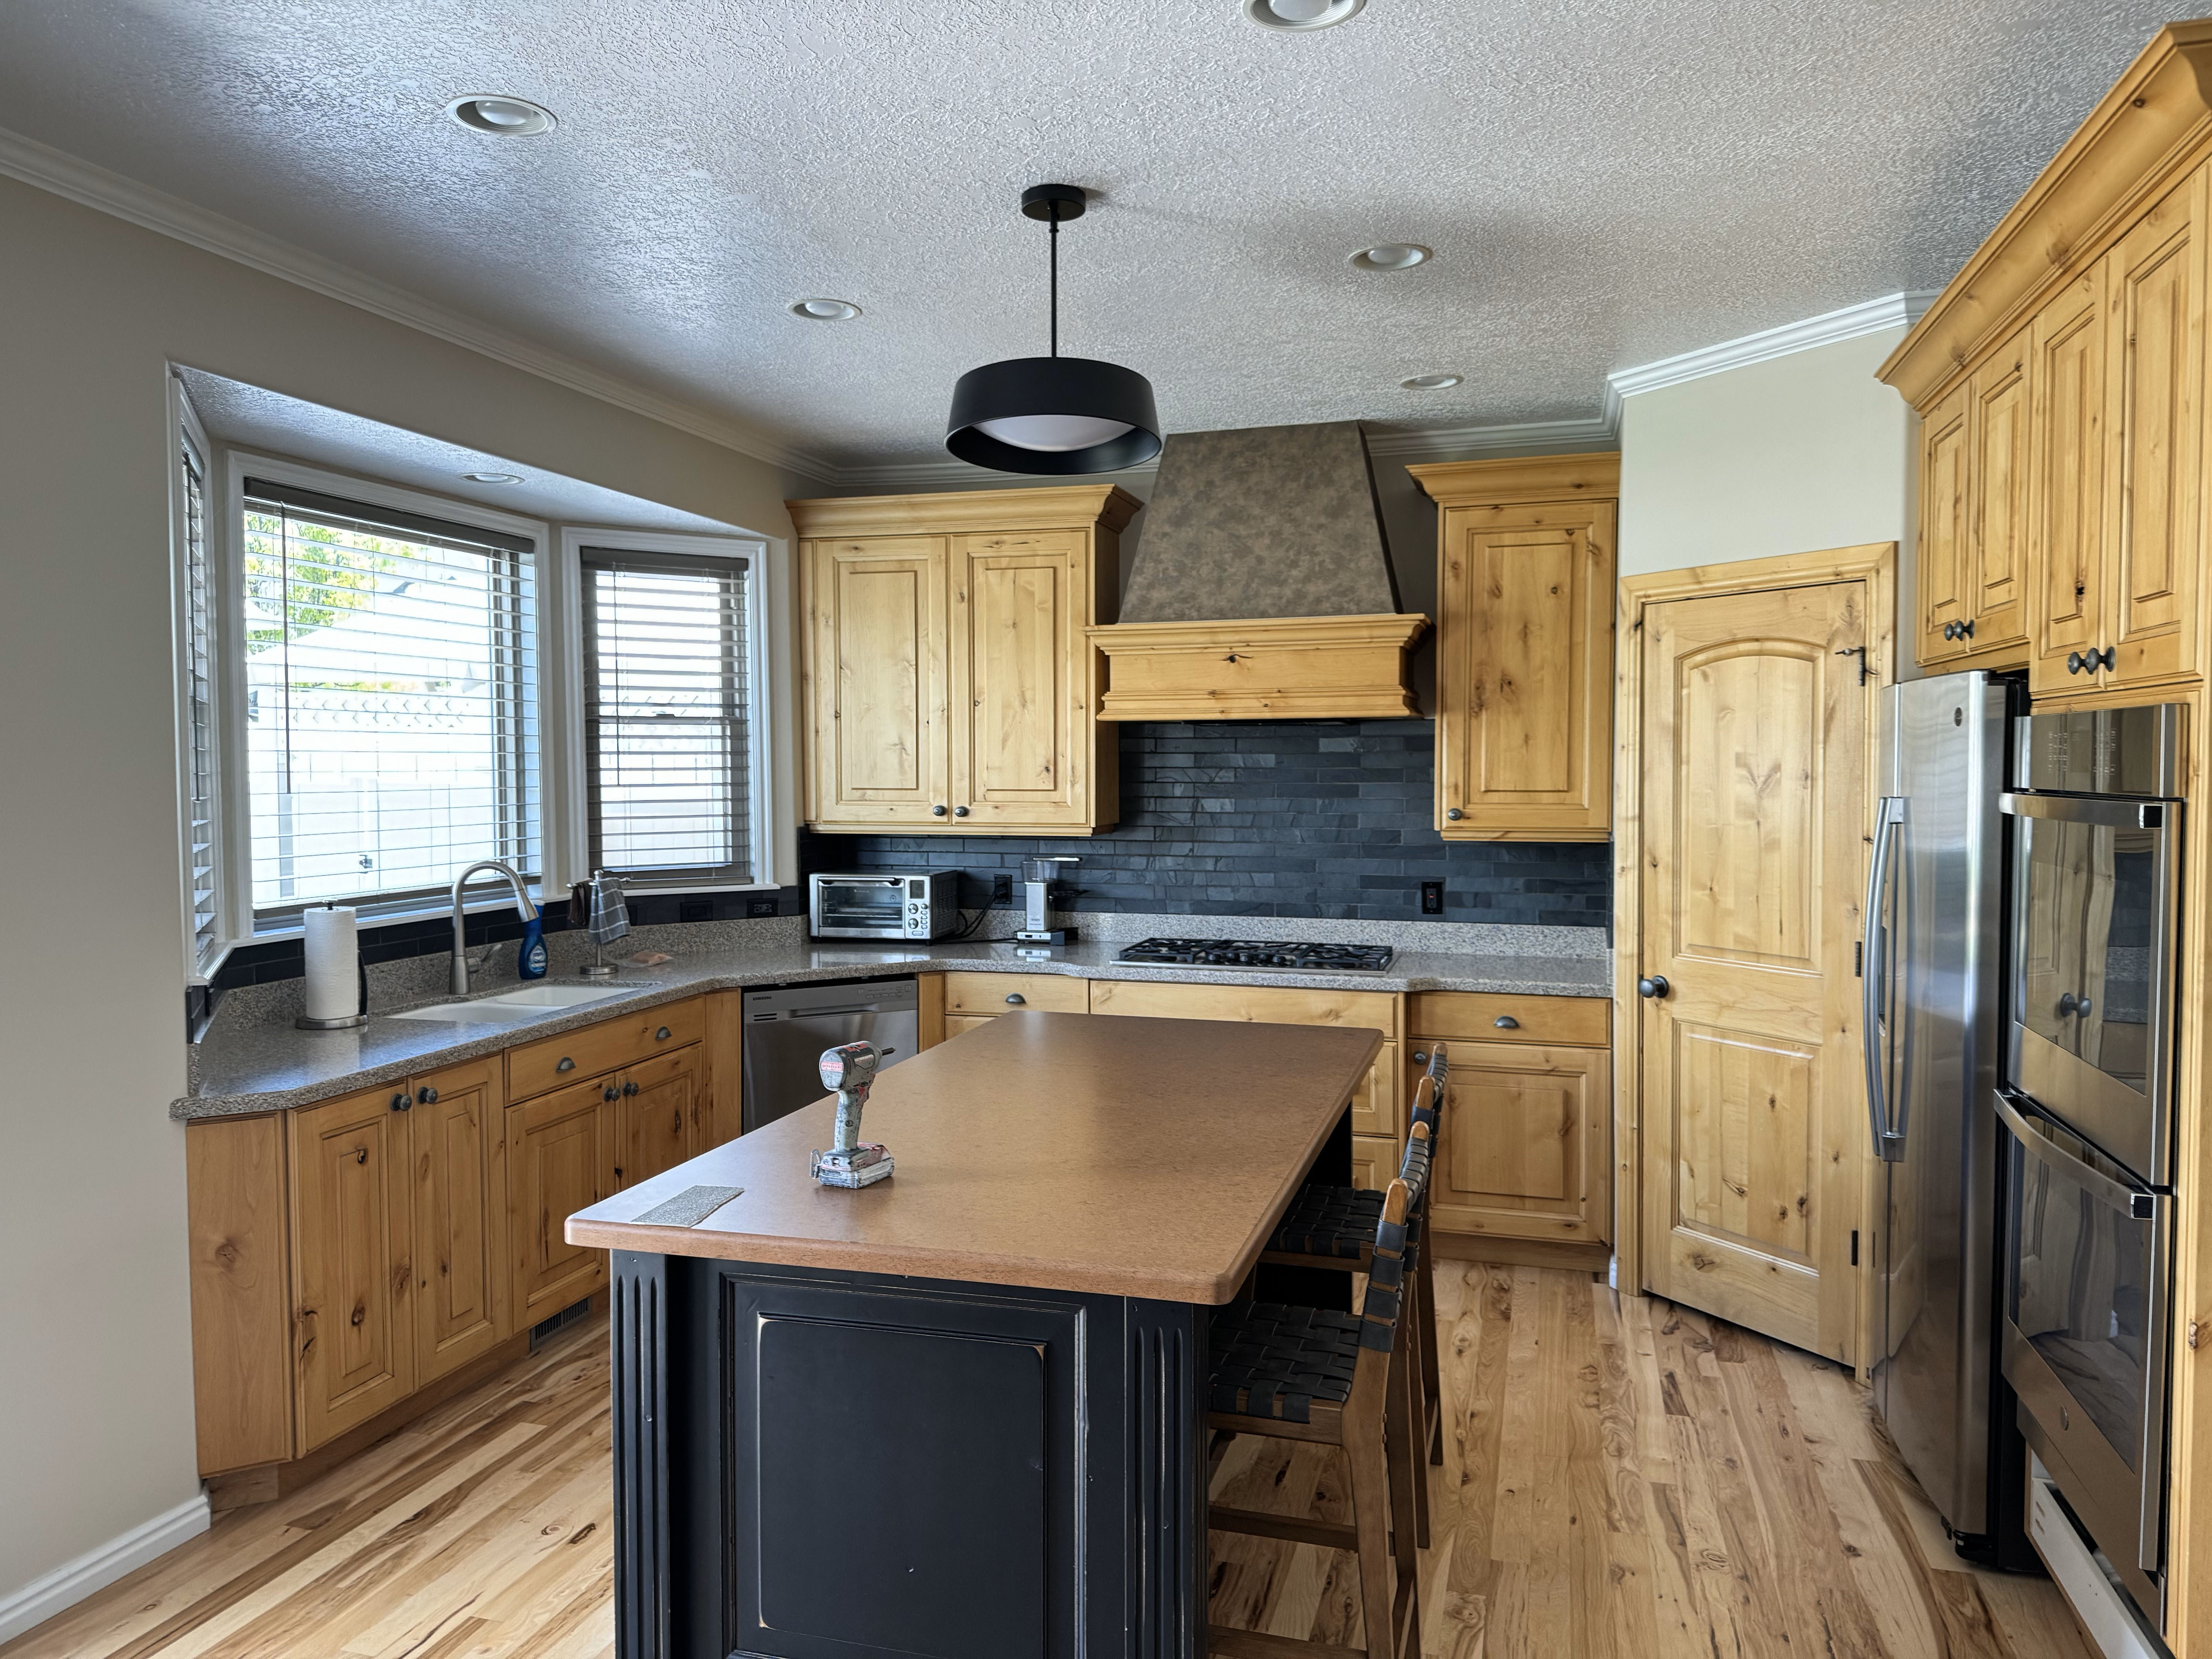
pixel 347 1254
pixel 948 681
pixel 1524 647
pixel 2061 467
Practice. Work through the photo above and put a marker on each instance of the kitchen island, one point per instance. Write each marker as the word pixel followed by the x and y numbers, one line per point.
pixel 961 1412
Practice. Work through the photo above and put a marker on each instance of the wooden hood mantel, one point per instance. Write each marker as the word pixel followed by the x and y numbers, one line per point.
pixel 1260 668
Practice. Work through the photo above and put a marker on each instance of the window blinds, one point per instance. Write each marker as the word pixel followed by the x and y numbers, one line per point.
pixel 390 673
pixel 668 745
pixel 200 854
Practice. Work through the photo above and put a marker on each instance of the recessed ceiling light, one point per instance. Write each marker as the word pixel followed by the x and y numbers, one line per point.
pixel 1301 14
pixel 500 113
pixel 493 477
pixel 1432 382
pixel 825 310
pixel 1393 256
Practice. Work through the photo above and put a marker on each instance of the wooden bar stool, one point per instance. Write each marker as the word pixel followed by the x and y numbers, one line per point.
pixel 1332 1227
pixel 1335 1379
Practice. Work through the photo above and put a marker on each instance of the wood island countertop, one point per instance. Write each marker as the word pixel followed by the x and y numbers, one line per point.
pixel 1129 1156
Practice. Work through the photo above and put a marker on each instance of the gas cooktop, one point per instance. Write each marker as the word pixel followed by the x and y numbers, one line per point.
pixel 1259 953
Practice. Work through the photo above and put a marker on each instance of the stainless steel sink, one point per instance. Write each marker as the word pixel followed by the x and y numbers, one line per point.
pixel 523 1002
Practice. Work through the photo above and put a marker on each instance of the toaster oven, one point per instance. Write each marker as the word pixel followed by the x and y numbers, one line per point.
pixel 923 904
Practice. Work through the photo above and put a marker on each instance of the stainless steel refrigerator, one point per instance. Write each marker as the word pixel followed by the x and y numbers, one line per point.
pixel 1932 974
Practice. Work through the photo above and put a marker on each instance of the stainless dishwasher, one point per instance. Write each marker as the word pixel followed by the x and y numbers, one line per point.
pixel 787 1028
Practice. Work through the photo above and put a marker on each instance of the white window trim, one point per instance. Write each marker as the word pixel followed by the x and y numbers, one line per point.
pixel 235 881
pixel 185 422
pixel 773 832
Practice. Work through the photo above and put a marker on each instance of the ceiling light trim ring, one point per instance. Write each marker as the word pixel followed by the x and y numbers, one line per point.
pixel 1327 16
pixel 502 115
pixel 1432 382
pixel 494 477
pixel 1392 256
pixel 823 310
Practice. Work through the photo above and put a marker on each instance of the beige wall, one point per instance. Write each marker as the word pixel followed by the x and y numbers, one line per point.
pixel 1790 455
pixel 95 1382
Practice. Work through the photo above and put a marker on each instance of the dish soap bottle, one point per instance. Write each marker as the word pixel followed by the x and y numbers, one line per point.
pixel 530 960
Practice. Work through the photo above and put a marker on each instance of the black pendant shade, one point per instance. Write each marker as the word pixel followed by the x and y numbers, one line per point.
pixel 1053 415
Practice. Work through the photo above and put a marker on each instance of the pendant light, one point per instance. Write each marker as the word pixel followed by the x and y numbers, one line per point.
pixel 1055 414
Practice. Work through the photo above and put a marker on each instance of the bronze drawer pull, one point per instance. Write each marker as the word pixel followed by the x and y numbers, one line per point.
pixel 1018 1001
pixel 566 1065
pixel 1506 1022
pixel 361 1155
pixel 661 1035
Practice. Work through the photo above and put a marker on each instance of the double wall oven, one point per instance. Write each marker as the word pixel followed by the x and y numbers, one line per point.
pixel 2095 819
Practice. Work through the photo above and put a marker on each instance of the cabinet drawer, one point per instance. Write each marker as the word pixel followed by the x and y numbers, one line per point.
pixel 1580 1022
pixel 994 993
pixel 1375 1103
pixel 1266 1005
pixel 956 1024
pixel 575 1055
pixel 1375 1160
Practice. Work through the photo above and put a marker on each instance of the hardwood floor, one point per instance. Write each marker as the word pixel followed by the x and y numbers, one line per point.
pixel 1621 1477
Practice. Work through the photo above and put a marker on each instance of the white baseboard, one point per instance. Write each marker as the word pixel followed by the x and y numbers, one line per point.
pixel 2106 1617
pixel 71 1582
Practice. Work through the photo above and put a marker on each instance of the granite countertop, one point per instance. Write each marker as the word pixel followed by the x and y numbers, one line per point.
pixel 244 1068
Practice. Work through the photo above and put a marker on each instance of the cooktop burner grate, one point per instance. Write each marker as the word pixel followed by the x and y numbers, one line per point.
pixel 1259 953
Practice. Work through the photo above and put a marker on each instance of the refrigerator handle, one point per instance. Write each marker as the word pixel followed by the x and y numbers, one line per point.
pixel 1874 983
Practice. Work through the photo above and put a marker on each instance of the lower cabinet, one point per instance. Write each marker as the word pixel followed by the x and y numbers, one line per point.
pixel 1375 1161
pixel 461 1188
pixel 353 1309
pixel 560 1159
pixel 1524 1138
pixel 657 1117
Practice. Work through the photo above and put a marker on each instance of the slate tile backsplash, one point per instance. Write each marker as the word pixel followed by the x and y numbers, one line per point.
pixel 1273 819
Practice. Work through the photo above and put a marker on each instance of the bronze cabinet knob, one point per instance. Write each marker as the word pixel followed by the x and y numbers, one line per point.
pixel 630 1088
pixel 402 1100
pixel 937 812
pixel 1455 815
pixel 1656 985
pixel 959 812
pixel 427 1096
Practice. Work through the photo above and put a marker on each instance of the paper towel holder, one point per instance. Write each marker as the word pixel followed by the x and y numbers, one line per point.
pixel 346 1022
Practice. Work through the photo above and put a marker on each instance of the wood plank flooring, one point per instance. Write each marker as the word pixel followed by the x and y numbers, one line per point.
pixel 1621 1477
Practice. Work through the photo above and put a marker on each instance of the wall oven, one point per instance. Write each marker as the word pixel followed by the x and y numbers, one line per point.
pixel 2095 818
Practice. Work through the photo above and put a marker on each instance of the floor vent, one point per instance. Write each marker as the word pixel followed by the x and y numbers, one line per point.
pixel 544 1328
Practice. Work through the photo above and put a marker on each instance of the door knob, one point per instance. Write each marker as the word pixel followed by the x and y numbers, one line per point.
pixel 427 1096
pixel 630 1088
pixel 1950 631
pixel 2091 659
pixel 2070 1004
pixel 609 1092
pixel 937 812
pixel 402 1100
pixel 1967 628
pixel 1455 815
pixel 2073 662
pixel 959 812
pixel 1419 1057
pixel 1656 985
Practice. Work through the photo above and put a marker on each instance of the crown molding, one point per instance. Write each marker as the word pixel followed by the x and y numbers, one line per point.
pixel 1477 443
pixel 94 186
pixel 1891 311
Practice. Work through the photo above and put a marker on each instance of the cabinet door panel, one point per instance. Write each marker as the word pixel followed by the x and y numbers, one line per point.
pixel 1023 696
pixel 353 1328
pixel 1525 655
pixel 2155 387
pixel 1944 526
pixel 654 1116
pixel 560 1159
pixel 1375 1161
pixel 459 1209
pixel 1998 544
pixel 2066 515
pixel 876 680
pixel 1525 1135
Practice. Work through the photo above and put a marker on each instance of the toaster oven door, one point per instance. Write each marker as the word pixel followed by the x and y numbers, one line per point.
pixel 858 907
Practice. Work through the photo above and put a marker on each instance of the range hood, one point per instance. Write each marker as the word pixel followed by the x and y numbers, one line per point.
pixel 1262 588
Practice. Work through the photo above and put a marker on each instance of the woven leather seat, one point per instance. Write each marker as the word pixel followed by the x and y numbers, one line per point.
pixel 1275 1361
pixel 1332 1221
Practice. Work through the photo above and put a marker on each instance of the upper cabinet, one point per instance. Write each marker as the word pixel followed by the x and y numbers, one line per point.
pixel 1524 647
pixel 948 681
pixel 2059 380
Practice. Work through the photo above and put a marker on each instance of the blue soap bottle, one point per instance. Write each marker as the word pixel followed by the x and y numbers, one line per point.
pixel 529 960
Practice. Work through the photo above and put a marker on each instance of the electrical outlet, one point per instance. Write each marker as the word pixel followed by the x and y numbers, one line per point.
pixel 760 907
pixel 695 909
pixel 1002 889
pixel 1432 898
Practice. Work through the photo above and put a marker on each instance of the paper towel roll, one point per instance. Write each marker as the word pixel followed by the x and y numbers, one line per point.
pixel 333 964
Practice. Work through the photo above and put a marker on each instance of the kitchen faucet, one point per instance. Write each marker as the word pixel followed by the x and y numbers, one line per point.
pixel 523 907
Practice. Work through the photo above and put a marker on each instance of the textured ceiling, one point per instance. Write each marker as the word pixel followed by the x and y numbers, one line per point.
pixel 270 423
pixel 1605 182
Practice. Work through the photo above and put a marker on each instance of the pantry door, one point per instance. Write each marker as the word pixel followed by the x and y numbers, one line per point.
pixel 1754 794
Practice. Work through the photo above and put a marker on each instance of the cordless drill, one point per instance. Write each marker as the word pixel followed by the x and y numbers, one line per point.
pixel 850 1069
